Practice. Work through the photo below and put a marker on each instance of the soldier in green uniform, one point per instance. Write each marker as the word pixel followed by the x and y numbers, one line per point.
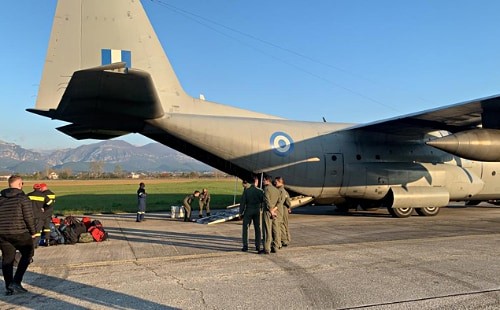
pixel 204 202
pixel 270 218
pixel 187 205
pixel 286 204
pixel 250 209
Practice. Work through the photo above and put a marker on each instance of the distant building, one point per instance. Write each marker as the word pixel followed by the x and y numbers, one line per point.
pixel 53 176
pixel 134 175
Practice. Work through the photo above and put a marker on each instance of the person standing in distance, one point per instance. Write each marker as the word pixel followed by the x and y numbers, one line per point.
pixel 141 202
pixel 17 230
pixel 187 205
pixel 204 202
pixel 250 209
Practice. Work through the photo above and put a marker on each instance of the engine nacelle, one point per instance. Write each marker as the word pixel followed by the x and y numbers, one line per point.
pixel 475 144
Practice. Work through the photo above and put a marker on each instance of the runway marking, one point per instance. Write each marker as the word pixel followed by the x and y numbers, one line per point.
pixel 423 299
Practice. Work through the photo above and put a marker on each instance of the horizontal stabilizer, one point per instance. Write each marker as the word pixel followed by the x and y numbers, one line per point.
pixel 80 132
pixel 47 113
pixel 98 91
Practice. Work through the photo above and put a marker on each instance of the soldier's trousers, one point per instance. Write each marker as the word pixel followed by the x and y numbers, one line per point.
pixel 187 213
pixel 207 206
pixel 286 238
pixel 251 215
pixel 271 232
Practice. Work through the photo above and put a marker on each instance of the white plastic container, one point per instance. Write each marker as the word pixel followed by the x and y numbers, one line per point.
pixel 181 213
pixel 173 211
pixel 177 212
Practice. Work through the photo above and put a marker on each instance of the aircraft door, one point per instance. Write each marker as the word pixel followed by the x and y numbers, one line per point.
pixel 334 173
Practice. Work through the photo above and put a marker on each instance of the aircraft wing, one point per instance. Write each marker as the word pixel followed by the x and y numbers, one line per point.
pixel 483 112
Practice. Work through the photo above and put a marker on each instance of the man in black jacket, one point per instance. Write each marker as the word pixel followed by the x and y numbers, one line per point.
pixel 17 228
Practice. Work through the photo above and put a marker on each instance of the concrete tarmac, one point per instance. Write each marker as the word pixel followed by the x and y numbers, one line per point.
pixel 364 260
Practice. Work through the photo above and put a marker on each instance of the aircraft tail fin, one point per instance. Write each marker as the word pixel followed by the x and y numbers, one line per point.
pixel 95 33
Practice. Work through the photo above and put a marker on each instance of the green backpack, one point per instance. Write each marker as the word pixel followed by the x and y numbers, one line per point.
pixel 85 237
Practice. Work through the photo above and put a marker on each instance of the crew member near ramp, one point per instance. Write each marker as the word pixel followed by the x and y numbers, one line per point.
pixel 47 210
pixel 250 209
pixel 204 202
pixel 17 229
pixel 38 201
pixel 270 218
pixel 286 207
pixel 187 205
pixel 141 202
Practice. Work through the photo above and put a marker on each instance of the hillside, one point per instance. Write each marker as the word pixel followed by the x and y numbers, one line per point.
pixel 153 157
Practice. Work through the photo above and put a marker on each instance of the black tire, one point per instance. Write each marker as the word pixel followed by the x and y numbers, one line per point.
pixel 428 211
pixel 400 212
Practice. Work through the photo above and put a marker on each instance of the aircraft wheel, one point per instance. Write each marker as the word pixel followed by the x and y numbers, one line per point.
pixel 428 211
pixel 400 212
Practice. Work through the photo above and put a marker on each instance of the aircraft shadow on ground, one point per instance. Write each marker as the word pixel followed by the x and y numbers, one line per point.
pixel 332 210
pixel 66 288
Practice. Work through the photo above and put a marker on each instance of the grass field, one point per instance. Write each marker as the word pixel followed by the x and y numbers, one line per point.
pixel 115 196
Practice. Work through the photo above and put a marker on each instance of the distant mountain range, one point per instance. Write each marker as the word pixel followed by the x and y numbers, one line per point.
pixel 153 157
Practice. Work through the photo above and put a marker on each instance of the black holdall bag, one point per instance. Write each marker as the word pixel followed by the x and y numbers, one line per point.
pixel 72 229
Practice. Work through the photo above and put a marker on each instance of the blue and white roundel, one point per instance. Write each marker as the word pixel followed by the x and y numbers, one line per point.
pixel 281 143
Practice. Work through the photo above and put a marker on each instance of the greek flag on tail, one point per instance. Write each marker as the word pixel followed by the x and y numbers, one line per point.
pixel 110 56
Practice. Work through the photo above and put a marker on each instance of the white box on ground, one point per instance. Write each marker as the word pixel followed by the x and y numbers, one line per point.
pixel 177 212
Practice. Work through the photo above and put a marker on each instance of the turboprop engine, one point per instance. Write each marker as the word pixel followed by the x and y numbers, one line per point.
pixel 475 144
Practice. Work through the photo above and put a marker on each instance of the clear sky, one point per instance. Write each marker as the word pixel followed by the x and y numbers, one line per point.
pixel 347 61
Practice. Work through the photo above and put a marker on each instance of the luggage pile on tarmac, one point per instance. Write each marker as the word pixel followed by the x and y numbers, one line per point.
pixel 71 230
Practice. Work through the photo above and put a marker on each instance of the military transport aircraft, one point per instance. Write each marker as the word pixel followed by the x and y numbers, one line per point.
pixel 106 74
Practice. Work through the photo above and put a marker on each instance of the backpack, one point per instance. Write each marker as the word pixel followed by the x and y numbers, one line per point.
pixel 86 221
pixel 97 231
pixel 72 229
pixel 85 237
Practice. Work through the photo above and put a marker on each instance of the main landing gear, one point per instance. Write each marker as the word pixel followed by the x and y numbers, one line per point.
pixel 406 212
